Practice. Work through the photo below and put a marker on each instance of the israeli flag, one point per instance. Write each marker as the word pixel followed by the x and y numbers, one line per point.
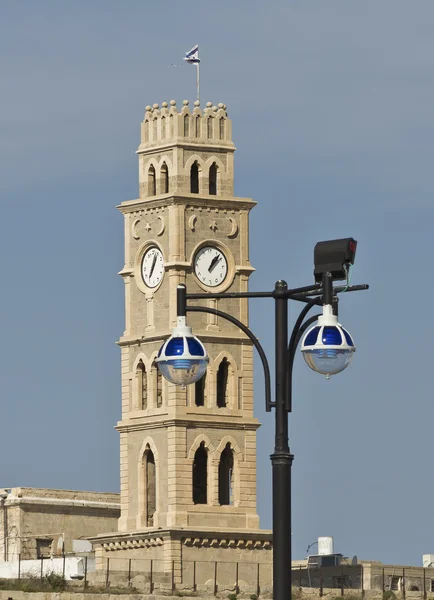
pixel 192 56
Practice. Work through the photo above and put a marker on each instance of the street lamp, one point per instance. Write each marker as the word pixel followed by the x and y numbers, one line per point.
pixel 182 359
pixel 327 348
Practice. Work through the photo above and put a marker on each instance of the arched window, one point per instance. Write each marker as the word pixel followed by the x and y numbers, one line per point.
pixel 164 172
pixel 200 475
pixel 199 391
pixel 226 475
pixel 154 129
pixel 209 127
pixel 197 126
pixel 142 386
pixel 222 384
pixel 150 486
pixel 159 389
pixel 222 128
pixel 194 178
pixel 213 179
pixel 163 127
pixel 152 184
pixel 186 125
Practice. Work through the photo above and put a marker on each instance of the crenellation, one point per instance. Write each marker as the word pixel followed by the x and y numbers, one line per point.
pixel 220 130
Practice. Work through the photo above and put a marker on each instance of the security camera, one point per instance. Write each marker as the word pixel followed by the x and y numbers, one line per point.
pixel 334 257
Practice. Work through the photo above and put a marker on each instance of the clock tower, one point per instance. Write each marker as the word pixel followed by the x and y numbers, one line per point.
pixel 188 455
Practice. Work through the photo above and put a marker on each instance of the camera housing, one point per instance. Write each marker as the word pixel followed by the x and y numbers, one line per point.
pixel 334 257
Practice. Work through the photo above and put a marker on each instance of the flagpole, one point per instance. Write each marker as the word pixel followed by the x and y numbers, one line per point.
pixel 198 82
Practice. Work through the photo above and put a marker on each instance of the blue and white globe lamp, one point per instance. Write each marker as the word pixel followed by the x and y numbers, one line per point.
pixel 327 347
pixel 182 358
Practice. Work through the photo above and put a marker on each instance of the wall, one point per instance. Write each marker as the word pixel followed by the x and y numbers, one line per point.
pixel 33 513
pixel 72 567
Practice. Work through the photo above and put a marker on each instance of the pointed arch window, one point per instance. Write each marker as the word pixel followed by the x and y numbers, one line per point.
pixel 197 126
pixel 159 389
pixel 142 386
pixel 222 384
pixel 150 491
pixel 226 476
pixel 186 125
pixel 199 391
pixel 164 179
pixel 209 127
pixel 200 475
pixel 194 178
pixel 222 128
pixel 163 127
pixel 213 171
pixel 152 185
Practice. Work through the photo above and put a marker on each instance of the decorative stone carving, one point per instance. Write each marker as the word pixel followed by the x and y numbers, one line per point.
pixel 134 233
pixel 234 228
pixel 162 227
pixel 192 222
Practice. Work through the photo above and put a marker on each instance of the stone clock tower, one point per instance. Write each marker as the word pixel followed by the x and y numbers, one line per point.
pixel 188 455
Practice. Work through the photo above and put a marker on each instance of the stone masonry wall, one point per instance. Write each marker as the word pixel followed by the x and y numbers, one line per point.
pixel 306 594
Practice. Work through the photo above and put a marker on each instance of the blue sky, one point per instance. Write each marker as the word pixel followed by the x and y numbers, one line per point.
pixel 332 108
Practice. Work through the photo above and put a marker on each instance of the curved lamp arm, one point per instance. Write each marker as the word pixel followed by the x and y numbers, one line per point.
pixel 297 332
pixel 252 337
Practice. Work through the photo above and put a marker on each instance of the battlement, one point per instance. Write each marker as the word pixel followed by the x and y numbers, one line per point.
pixel 168 125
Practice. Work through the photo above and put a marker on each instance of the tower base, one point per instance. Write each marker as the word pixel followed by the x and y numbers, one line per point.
pixel 186 559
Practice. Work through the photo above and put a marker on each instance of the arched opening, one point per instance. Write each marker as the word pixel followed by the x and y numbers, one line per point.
pixel 142 386
pixel 150 486
pixel 222 384
pixel 200 475
pixel 226 476
pixel 159 389
pixel 194 178
pixel 152 184
pixel 213 170
pixel 199 391
pixel 197 126
pixel 209 127
pixel 163 127
pixel 186 125
pixel 222 128
pixel 154 129
pixel 164 173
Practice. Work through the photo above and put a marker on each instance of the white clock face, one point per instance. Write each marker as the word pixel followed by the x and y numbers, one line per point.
pixel 152 267
pixel 210 266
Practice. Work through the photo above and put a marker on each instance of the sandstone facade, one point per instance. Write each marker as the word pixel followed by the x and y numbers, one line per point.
pixel 188 455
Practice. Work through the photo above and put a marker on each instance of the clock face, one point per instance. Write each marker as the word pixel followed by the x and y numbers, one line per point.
pixel 152 267
pixel 210 266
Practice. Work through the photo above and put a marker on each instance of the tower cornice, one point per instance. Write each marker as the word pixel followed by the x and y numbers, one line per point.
pixel 242 423
pixel 164 200
pixel 207 339
pixel 209 146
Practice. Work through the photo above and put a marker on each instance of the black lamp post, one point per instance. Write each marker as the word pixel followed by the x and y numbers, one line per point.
pixel 171 363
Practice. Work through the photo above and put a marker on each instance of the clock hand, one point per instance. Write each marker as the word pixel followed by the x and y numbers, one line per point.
pixel 214 262
pixel 153 265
